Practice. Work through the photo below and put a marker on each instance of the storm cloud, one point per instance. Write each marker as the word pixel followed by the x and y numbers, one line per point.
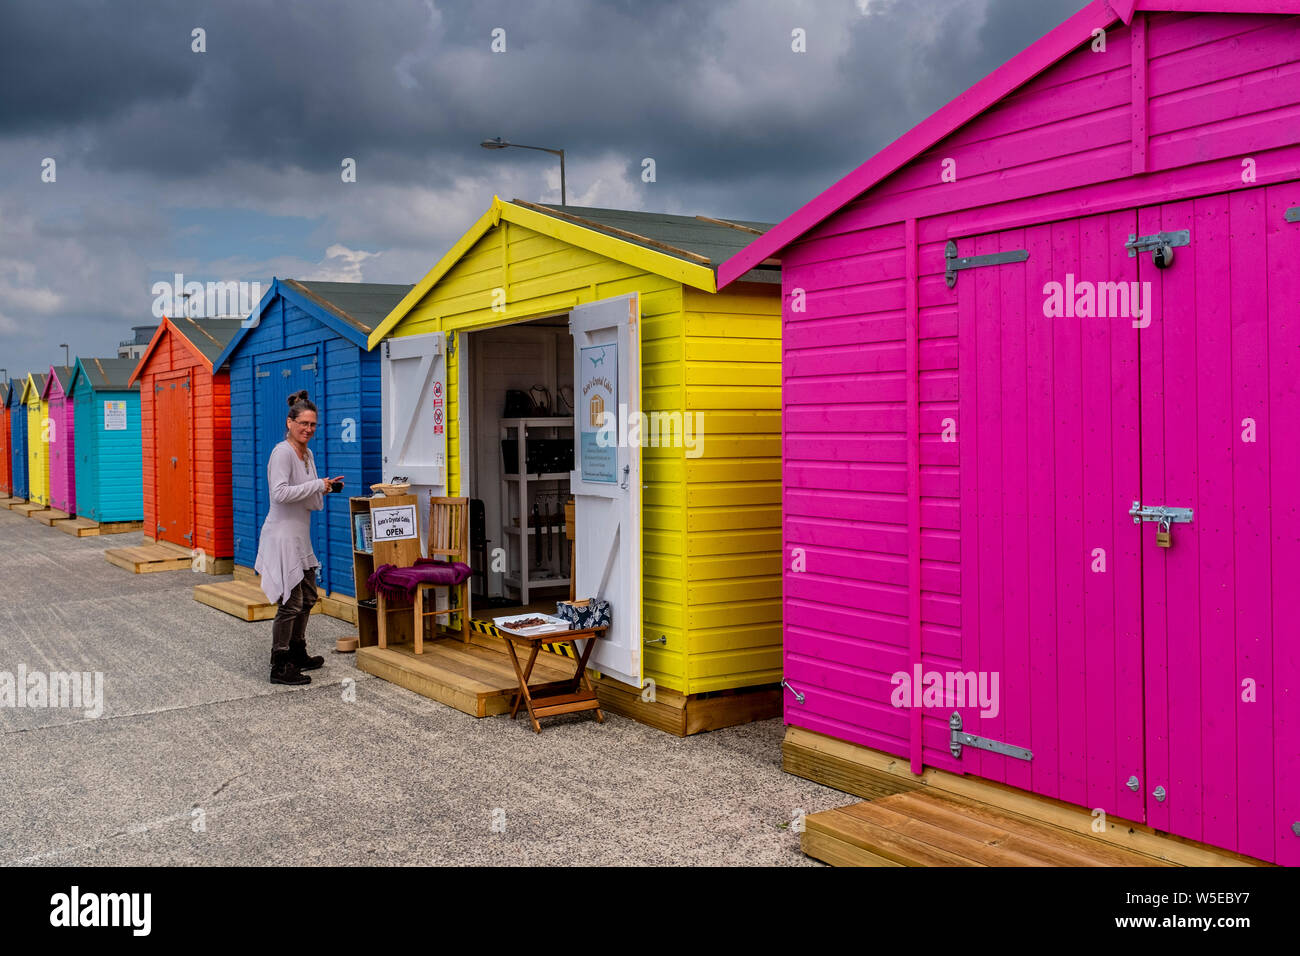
pixel 225 164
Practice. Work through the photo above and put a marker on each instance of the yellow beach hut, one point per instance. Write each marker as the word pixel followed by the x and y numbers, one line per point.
pixel 38 445
pixel 544 323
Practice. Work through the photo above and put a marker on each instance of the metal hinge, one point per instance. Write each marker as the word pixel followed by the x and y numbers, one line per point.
pixel 1293 214
pixel 261 374
pixel 285 373
pixel 311 367
pixel 157 388
pixel 385 348
pixel 187 537
pixel 962 739
pixel 451 345
pixel 1162 244
pixel 958 263
pixel 186 385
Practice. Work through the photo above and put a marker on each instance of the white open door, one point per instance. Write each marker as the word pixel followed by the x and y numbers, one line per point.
pixel 606 481
pixel 414 390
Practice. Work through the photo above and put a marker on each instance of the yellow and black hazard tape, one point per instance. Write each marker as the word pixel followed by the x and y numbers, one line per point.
pixel 490 630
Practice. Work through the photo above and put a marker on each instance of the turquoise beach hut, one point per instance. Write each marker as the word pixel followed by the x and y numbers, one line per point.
pixel 109 471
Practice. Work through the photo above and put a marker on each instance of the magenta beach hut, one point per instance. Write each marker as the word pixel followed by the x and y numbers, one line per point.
pixel 1041 370
pixel 63 475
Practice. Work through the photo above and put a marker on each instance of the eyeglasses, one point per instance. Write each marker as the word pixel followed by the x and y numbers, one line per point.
pixel 311 425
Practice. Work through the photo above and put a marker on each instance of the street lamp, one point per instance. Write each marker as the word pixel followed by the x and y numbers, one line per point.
pixel 64 346
pixel 499 143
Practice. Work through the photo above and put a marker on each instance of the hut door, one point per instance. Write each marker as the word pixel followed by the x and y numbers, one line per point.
pixel 173 414
pixel 1047 441
pixel 606 481
pixel 274 382
pixel 413 394
pixel 1220 396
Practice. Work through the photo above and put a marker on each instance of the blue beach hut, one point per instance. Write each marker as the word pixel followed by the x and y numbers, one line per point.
pixel 109 469
pixel 17 437
pixel 308 335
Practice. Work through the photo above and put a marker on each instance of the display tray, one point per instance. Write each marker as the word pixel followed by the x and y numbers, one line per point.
pixel 551 625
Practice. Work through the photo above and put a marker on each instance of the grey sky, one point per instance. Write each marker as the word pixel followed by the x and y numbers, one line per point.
pixel 226 164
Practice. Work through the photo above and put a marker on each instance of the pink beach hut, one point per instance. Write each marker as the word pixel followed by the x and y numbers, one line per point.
pixel 63 476
pixel 1041 369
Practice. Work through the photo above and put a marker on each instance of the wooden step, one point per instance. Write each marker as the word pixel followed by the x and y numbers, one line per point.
pixel 148 558
pixel 929 829
pixel 27 507
pixel 341 606
pixel 79 527
pixel 240 599
pixel 475 678
pixel 49 516
pixel 9 502
pixel 991 812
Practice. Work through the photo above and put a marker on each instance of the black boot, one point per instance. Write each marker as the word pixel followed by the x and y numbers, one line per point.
pixel 285 671
pixel 298 655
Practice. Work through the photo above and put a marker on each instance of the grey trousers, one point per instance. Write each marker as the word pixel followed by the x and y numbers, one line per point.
pixel 290 623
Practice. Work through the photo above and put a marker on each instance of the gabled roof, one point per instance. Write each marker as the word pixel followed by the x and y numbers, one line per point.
pixel 33 386
pixel 205 338
pixel 60 373
pixel 14 392
pixel 104 374
pixel 686 249
pixel 4 394
pixel 351 309
pixel 1003 81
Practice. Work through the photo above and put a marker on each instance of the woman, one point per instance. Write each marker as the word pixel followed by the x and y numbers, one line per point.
pixel 285 559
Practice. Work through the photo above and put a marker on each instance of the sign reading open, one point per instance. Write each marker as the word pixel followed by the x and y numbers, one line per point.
pixel 394 524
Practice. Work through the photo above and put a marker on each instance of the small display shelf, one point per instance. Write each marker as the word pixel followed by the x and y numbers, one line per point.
pixel 538 546
pixel 400 623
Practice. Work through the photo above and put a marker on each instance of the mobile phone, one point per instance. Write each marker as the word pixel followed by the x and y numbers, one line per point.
pixel 336 486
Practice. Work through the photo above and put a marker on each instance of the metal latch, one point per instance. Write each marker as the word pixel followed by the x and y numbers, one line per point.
pixel 1293 214
pixel 1164 517
pixel 1162 244
pixel 262 373
pixel 962 739
pixel 188 536
pixel 958 263
pixel 797 696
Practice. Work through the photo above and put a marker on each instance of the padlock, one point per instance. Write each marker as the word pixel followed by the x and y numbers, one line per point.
pixel 1164 539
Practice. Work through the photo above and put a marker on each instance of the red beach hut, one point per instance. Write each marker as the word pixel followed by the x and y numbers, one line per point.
pixel 185 437
pixel 1040 373
pixel 63 459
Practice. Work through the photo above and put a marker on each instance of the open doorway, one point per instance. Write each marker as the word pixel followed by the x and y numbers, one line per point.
pixel 518 459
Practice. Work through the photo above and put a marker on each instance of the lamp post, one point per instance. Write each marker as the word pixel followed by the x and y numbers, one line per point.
pixel 64 346
pixel 499 143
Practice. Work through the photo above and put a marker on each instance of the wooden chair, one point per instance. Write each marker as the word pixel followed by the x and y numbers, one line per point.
pixel 448 538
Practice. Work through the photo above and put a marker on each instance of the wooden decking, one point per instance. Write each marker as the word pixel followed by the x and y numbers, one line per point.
pixel 147 558
pixel 938 818
pixel 49 516
pixel 80 527
pixel 475 678
pixel 240 598
pixel 929 829
pixel 11 502
pixel 27 508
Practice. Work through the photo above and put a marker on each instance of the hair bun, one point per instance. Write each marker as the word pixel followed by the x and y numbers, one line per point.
pixel 297 397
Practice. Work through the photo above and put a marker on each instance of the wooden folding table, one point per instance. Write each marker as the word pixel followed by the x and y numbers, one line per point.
pixel 554 697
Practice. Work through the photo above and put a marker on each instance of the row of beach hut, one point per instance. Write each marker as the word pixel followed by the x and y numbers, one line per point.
pixel 912 464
